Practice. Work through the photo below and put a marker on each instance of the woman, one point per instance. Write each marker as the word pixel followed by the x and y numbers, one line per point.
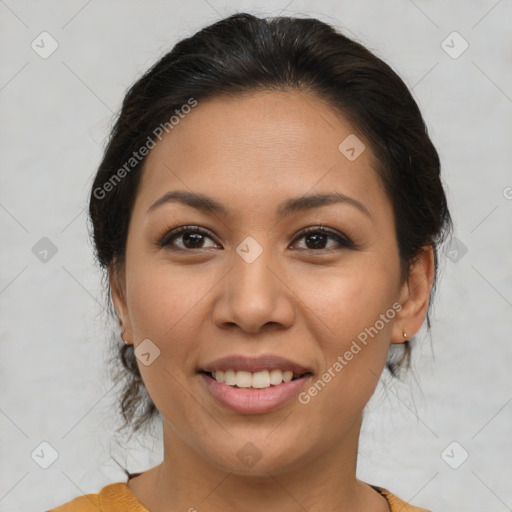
pixel 268 212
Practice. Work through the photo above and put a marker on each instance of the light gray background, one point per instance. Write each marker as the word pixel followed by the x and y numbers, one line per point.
pixel 55 115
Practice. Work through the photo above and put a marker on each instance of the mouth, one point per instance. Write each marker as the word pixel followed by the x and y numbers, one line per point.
pixel 241 379
pixel 254 385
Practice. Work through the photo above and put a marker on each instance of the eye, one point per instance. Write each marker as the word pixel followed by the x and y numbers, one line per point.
pixel 192 237
pixel 317 236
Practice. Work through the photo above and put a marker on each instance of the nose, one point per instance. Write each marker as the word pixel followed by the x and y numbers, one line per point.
pixel 254 295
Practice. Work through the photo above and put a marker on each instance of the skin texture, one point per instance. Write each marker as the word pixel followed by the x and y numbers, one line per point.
pixel 250 153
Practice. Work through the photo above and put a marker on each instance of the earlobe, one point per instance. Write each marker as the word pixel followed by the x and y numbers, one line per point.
pixel 415 296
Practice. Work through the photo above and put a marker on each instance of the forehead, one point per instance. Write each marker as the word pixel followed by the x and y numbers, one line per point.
pixel 263 145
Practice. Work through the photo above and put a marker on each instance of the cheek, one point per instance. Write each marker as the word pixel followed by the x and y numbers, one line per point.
pixel 347 300
pixel 162 298
pixel 166 306
pixel 350 317
pixel 169 303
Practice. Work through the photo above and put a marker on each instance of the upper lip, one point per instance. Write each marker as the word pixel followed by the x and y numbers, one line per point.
pixel 255 364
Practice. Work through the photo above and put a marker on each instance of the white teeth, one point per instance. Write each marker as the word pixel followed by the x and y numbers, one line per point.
pixel 287 376
pixel 259 380
pixel 229 377
pixel 276 377
pixel 244 379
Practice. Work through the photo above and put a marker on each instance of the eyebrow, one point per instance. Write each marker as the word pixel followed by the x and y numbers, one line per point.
pixel 290 206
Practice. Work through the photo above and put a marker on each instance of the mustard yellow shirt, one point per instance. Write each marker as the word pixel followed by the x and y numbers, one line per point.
pixel 119 498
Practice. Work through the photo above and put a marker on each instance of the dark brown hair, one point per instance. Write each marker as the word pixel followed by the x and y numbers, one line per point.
pixel 244 53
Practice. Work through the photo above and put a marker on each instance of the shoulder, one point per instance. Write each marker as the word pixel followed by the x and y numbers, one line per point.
pixel 85 503
pixel 396 504
pixel 111 498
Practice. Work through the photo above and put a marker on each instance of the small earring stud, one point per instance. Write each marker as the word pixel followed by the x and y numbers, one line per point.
pixel 124 330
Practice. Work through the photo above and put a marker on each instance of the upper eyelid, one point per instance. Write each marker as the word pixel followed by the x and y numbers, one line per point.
pixel 179 230
pixel 176 232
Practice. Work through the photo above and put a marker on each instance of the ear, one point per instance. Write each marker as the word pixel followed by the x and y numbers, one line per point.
pixel 118 294
pixel 415 296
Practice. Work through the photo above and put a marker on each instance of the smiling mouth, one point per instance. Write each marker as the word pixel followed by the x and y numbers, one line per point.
pixel 254 380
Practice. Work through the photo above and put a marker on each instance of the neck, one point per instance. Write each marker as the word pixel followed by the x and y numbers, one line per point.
pixel 325 481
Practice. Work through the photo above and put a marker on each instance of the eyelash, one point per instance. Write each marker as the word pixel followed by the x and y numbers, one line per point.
pixel 343 241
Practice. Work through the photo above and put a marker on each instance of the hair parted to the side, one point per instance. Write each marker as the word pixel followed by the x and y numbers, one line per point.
pixel 244 53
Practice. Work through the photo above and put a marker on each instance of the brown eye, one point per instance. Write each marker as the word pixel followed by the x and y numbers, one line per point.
pixel 317 237
pixel 192 237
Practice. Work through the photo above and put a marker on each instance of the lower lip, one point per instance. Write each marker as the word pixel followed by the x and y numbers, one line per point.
pixel 251 400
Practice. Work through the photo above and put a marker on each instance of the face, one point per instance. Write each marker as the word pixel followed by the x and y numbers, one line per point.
pixel 239 275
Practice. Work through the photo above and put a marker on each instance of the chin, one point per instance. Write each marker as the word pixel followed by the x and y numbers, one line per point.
pixel 255 458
